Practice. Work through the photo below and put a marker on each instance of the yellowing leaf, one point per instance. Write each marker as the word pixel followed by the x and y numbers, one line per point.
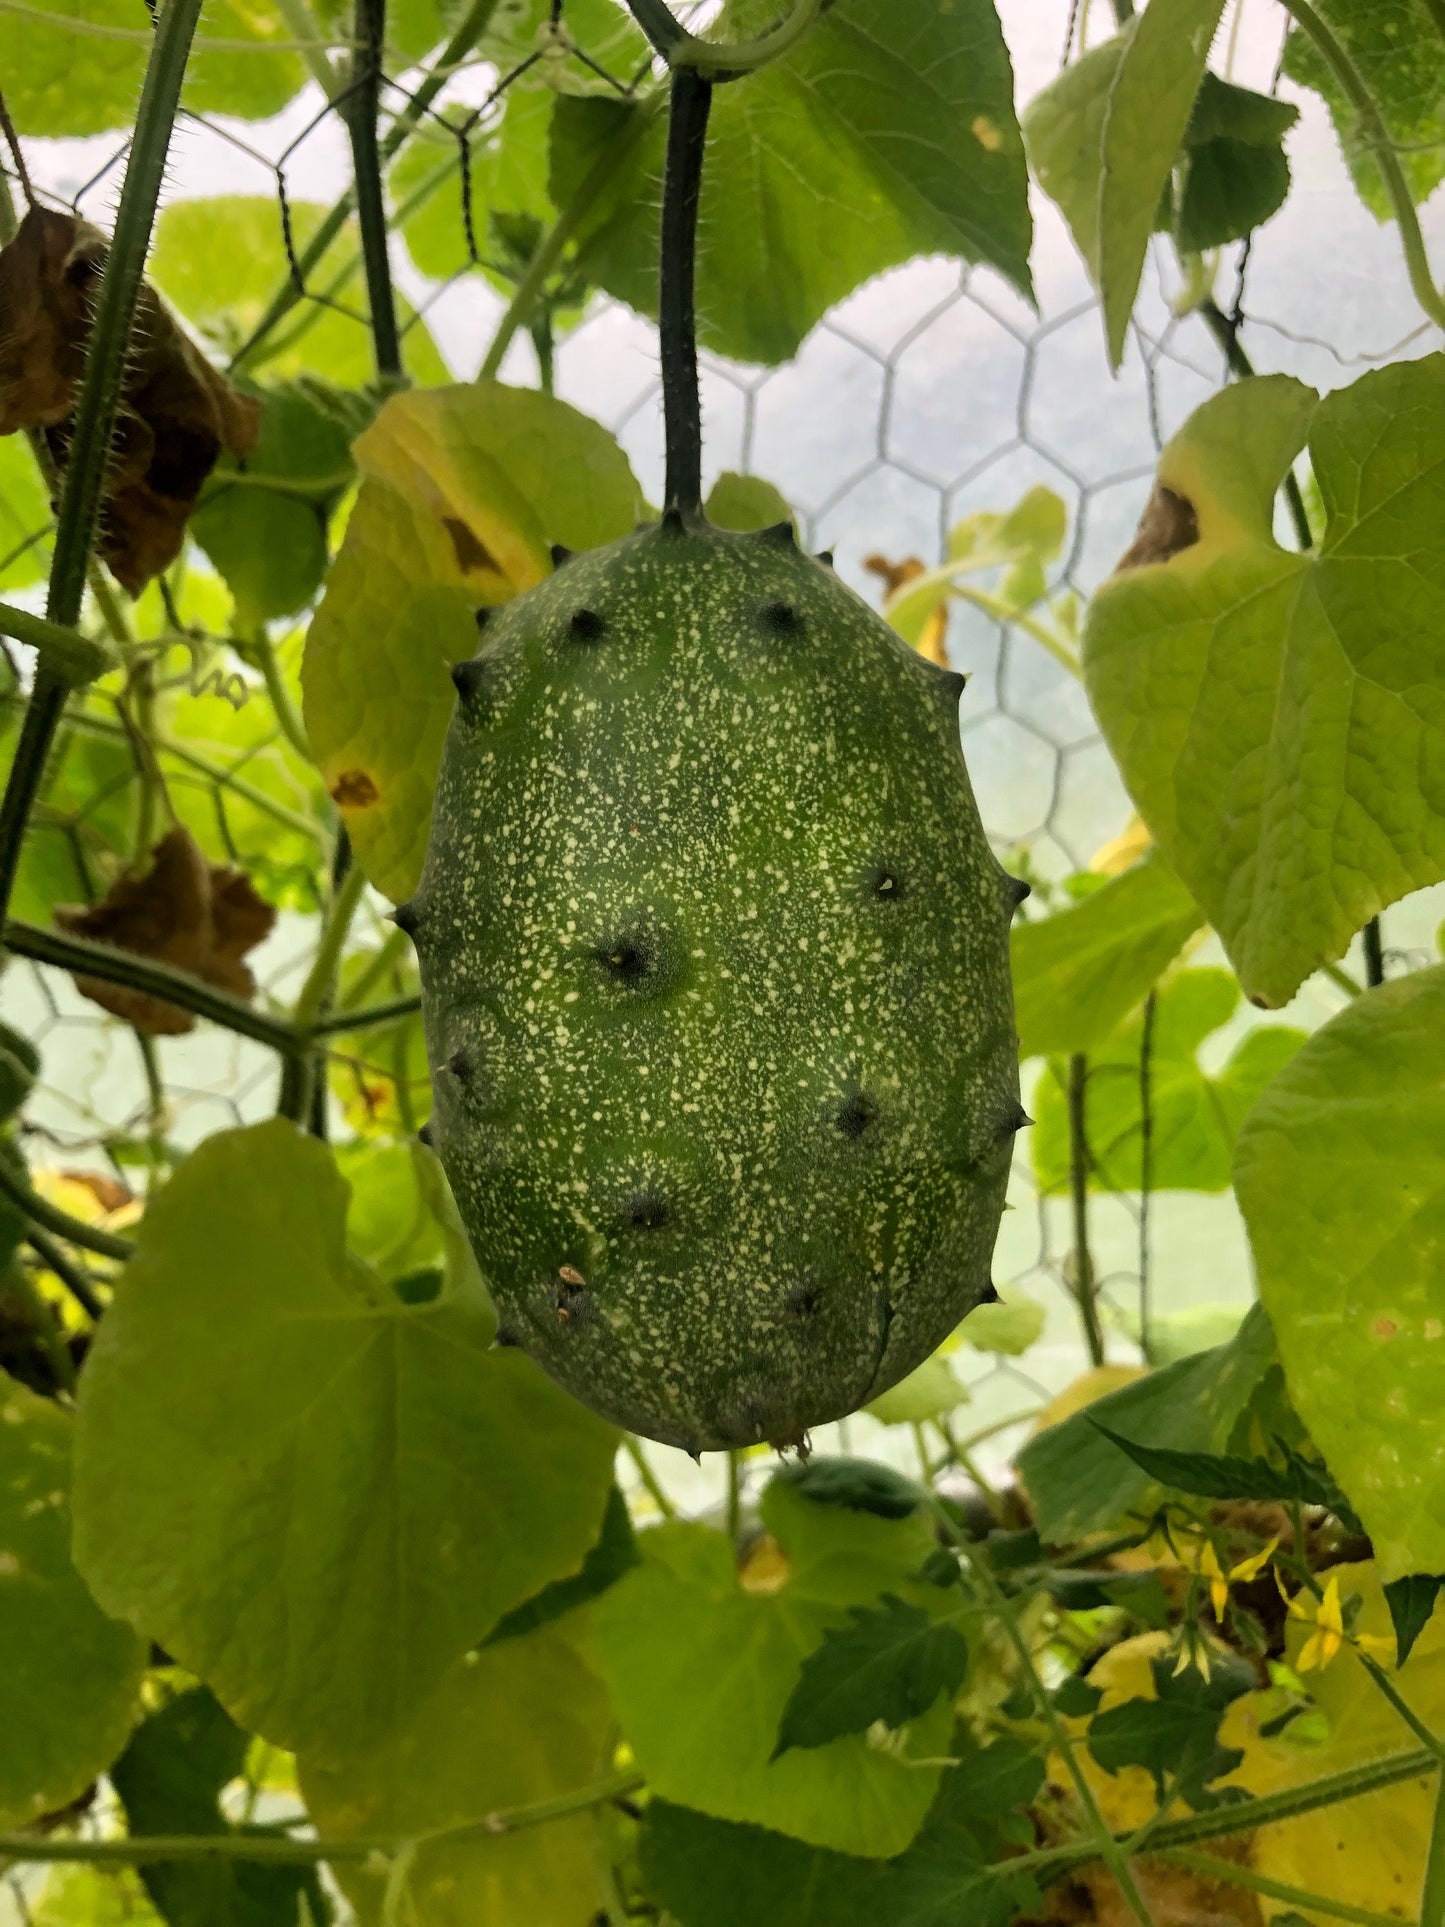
pixel 465 488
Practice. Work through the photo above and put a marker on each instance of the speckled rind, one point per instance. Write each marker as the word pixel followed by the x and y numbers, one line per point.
pixel 714 958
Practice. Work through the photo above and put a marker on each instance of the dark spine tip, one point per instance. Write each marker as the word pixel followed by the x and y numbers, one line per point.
pixel 406 917
pixel 506 1340
pixel 424 1136
pixel 646 1211
pixel 1022 891
pixel 561 555
pixel 484 616
pixel 886 884
pixel 855 1114
pixel 694 1453
pixel 585 625
pixel 1018 1119
pixel 467 680
pixel 953 685
pixel 990 1294
pixel 460 1065
pixel 782 535
pixel 780 619
pixel 825 556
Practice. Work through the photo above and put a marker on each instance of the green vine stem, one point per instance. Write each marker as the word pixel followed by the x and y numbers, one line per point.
pixel 76 1281
pixel 83 958
pixel 298 1074
pixel 72 658
pixel 361 106
pixel 337 1021
pixel 1382 149
pixel 85 467
pixel 1209 1866
pixel 716 59
pixel 469 30
pixel 1084 1284
pixel 264 1849
pixel 691 102
pixel 555 241
pixel 39 1211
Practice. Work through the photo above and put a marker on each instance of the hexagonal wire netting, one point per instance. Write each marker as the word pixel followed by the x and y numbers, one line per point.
pixel 930 393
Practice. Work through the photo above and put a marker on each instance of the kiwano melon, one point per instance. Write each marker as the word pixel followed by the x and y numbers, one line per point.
pixel 714 959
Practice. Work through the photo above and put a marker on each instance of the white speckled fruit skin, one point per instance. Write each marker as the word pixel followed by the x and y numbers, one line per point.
pixel 714 958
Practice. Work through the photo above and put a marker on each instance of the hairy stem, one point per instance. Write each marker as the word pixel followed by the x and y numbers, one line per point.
pixel 85 958
pixel 1084 1284
pixel 86 465
pixel 717 59
pixel 363 104
pixel 691 101
pixel 1376 137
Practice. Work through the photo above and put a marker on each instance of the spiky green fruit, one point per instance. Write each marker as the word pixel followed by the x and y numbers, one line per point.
pixel 714 960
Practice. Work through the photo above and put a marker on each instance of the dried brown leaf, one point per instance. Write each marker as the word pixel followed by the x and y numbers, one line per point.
pixel 196 916
pixel 895 576
pixel 176 414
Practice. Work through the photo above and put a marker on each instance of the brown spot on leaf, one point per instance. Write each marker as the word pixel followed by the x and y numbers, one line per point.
pixel 176 411
pixel 196 916
pixel 471 552
pixel 108 1192
pixel 354 790
pixel 895 576
pixel 1167 525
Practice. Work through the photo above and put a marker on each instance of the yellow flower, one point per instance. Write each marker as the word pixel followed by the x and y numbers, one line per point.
pixel 1326 1615
pixel 1241 1574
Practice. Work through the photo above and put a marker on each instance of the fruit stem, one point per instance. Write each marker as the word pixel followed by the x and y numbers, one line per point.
pixel 691 100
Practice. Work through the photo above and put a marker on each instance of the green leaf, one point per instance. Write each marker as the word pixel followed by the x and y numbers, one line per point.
pixel 77 68
pixel 314 1496
pixel 858 1485
pixel 88 1896
pixel 1340 1172
pixel 1230 188
pixel 1395 45
pixel 1223 111
pixel 908 125
pixel 69 1684
pixel 1022 541
pixel 1411 1601
pixel 25 517
pixel 1079 1483
pixel 717 1873
pixel 891 1664
pixel 221 260
pixel 265 526
pixel 614 1554
pixel 1078 973
pixel 929 1391
pixel 746 502
pixel 507 170
pixel 701 1661
pixel 599 28
pixel 170 1780
pixel 1194 1117
pixel 1103 137
pixel 1264 706
pixel 1175 1735
pixel 1008 1328
pixel 507 1726
pixel 464 490
pixel 1213 1475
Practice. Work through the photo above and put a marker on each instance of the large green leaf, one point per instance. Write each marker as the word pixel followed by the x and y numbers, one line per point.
pixel 71 1677
pixel 509 1725
pixel 1279 717
pixel 1194 1116
pixel 465 489
pixel 901 124
pixel 1103 139
pixel 1340 1172
pixel 76 66
pixel 1078 973
pixel 701 1660
pixel 170 1780
pixel 1395 45
pixel 717 1873
pixel 1080 1482
pixel 315 1496
pixel 221 260
pixel 1233 173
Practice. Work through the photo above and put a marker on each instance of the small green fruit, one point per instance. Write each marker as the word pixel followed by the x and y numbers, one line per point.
pixel 714 959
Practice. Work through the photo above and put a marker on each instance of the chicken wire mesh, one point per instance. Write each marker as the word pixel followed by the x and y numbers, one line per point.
pixel 931 393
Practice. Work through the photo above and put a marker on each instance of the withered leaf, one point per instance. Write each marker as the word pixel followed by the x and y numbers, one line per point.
pixel 1168 525
pixel 196 916
pixel 894 576
pixel 176 411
